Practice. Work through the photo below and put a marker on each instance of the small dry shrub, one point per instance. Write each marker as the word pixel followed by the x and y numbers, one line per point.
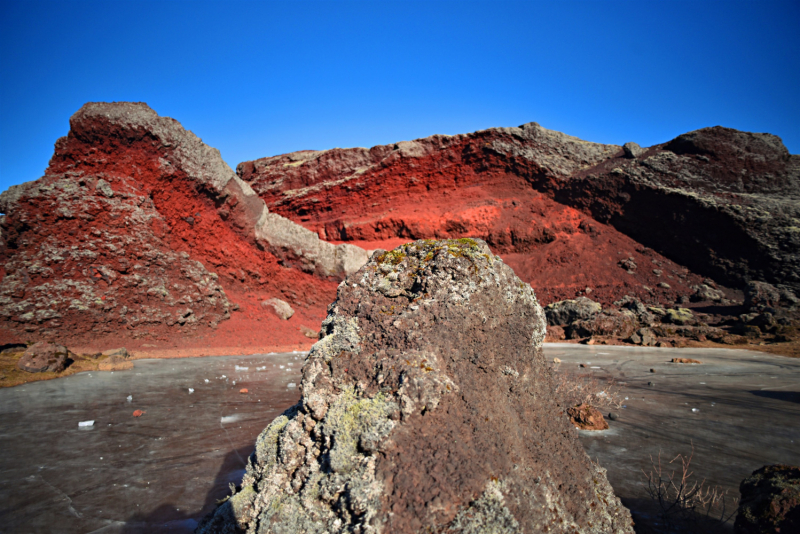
pixel 573 389
pixel 686 505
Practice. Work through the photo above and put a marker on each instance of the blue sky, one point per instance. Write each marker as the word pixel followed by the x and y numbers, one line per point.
pixel 256 79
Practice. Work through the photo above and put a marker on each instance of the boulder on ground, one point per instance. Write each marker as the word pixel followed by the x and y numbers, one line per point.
pixel 587 417
pixel 427 406
pixel 643 315
pixel 632 150
pixel 644 337
pixel 567 311
pixel 770 501
pixel 43 356
pixel 706 293
pixel 279 307
pixel 610 323
pixel 679 316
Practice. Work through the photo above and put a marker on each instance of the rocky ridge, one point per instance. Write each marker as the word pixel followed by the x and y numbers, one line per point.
pixel 426 406
pixel 133 227
pixel 722 203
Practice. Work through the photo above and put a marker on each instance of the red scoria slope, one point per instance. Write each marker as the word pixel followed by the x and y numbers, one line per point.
pixel 138 230
pixel 566 214
pixel 495 185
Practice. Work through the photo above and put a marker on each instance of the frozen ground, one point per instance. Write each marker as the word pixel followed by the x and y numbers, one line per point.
pixel 162 471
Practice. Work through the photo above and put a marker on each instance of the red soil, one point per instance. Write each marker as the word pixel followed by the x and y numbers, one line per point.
pixel 466 190
pixel 95 270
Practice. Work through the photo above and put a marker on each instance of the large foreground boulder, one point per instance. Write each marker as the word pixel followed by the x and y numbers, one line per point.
pixel 427 406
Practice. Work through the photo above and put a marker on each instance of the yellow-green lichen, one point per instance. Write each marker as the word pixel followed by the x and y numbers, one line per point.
pixel 354 422
pixel 267 442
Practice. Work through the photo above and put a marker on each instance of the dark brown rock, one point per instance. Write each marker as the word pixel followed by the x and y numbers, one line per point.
pixel 770 501
pixel 427 406
pixel 43 356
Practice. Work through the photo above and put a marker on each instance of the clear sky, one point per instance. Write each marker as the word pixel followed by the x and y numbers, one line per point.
pixel 255 79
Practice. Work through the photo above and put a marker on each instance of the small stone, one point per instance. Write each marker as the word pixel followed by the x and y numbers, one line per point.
pixel 309 332
pixel 652 370
pixel 279 307
pixel 651 383
pixel 556 360
pixel 613 416
pixel 663 285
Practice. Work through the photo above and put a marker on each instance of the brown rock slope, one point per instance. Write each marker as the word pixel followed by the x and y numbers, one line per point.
pixel 140 229
pixel 566 214
pixel 426 407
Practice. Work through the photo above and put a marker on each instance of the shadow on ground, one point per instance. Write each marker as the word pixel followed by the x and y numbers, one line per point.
pixel 166 518
pixel 788 396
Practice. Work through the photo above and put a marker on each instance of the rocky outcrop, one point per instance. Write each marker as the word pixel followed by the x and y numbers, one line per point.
pixel 724 204
pixel 136 226
pixel 770 501
pixel 427 405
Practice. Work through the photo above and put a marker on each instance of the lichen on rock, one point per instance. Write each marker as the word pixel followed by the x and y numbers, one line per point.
pixel 427 405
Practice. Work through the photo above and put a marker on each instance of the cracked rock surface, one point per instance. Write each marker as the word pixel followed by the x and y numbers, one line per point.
pixel 426 406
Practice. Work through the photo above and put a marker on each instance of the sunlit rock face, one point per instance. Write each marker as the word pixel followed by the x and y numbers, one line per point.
pixel 138 228
pixel 426 406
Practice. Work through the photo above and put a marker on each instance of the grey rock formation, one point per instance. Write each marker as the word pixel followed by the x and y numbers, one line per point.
pixel 427 405
pixel 632 150
pixel 568 311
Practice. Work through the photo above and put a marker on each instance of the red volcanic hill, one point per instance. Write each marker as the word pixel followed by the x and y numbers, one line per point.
pixel 139 230
pixel 566 214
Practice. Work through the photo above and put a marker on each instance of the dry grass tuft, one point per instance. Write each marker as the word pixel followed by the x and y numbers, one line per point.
pixel 573 389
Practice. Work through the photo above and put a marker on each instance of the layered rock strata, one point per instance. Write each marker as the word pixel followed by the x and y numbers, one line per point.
pixel 562 211
pixel 426 405
pixel 132 227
